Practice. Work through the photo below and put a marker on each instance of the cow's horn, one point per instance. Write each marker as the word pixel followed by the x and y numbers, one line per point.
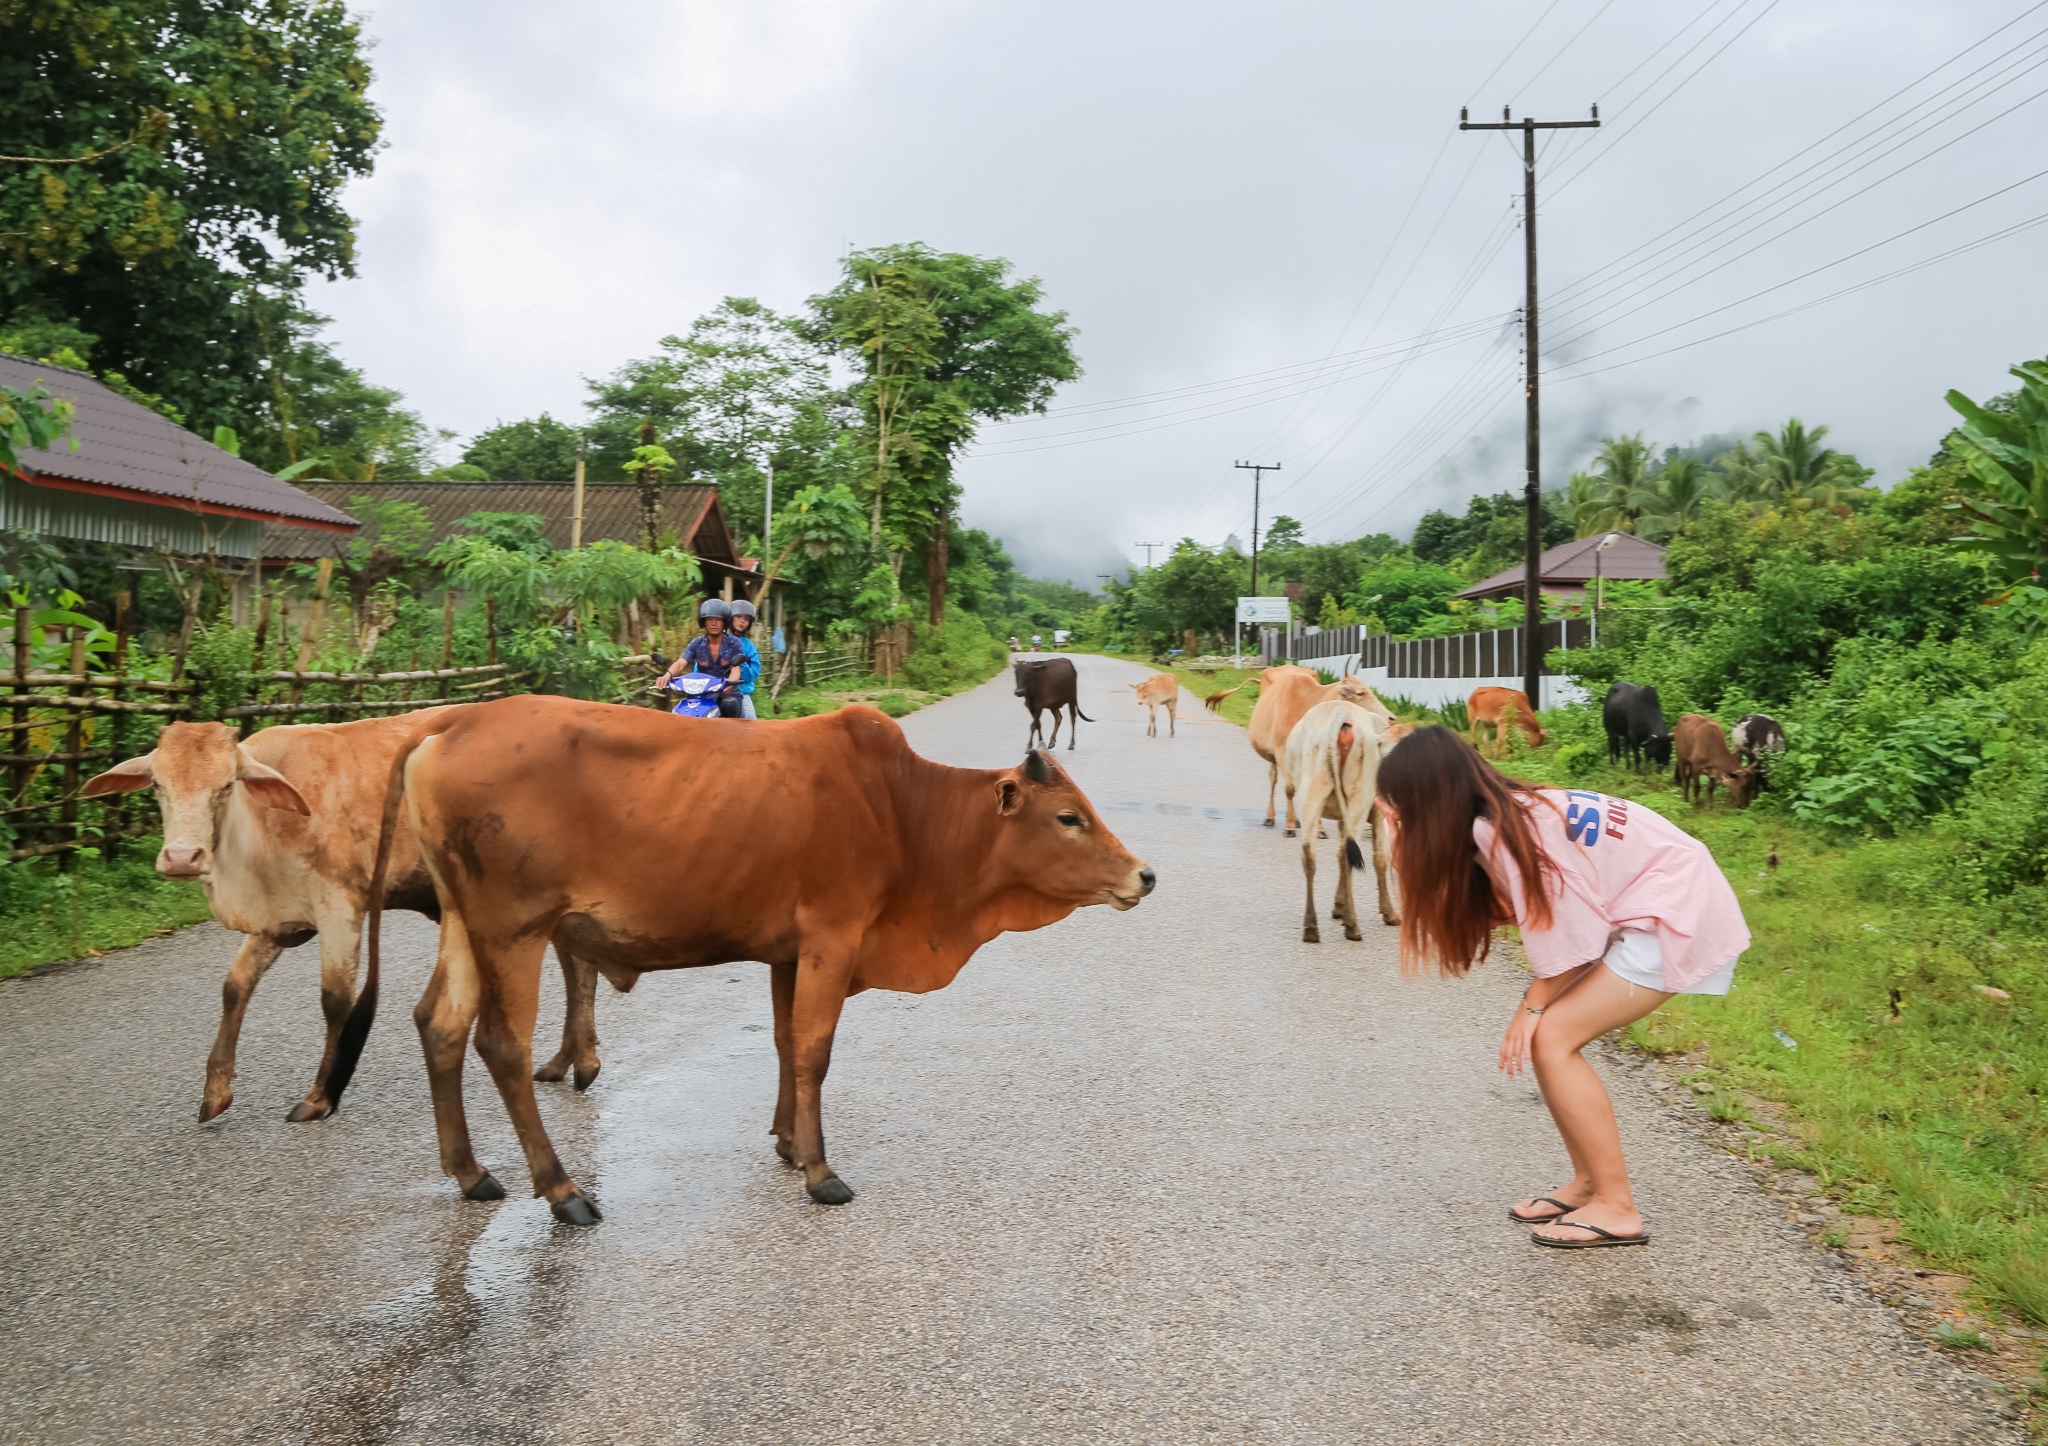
pixel 1036 768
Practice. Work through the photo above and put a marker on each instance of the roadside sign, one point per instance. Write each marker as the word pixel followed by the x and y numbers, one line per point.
pixel 1262 610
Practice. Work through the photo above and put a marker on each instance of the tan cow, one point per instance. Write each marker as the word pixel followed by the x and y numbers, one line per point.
pixel 1332 768
pixel 286 855
pixel 1705 759
pixel 1286 693
pixel 1161 690
pixel 1498 709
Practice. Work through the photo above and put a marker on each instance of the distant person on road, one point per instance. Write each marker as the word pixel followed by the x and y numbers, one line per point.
pixel 1035 639
pixel 1619 910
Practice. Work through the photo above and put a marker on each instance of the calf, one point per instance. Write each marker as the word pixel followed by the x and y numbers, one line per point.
pixel 1497 708
pixel 281 831
pixel 1332 766
pixel 1635 725
pixel 1704 759
pixel 1050 684
pixel 1161 690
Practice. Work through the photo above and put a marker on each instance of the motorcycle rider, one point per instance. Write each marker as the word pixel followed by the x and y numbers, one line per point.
pixel 750 670
pixel 713 651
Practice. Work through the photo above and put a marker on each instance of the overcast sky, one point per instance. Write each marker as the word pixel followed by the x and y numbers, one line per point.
pixel 1256 210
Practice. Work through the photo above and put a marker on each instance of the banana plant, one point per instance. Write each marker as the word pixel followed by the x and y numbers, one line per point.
pixel 2007 455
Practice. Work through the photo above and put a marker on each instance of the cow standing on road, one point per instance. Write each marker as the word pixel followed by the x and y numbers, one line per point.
pixel 1634 718
pixel 865 867
pixel 1704 760
pixel 1161 690
pixel 1286 693
pixel 1332 767
pixel 281 831
pixel 1050 684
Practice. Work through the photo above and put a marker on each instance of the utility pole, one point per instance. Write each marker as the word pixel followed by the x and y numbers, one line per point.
pixel 1532 500
pixel 576 518
pixel 1148 546
pixel 1258 471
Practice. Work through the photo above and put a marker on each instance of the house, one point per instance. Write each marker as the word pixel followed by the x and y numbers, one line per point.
pixel 138 479
pixel 1571 567
pixel 611 510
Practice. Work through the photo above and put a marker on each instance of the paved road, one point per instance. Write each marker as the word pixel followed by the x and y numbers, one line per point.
pixel 1162 1176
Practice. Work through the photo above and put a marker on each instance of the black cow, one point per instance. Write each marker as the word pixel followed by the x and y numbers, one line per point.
pixel 1635 725
pixel 1050 683
pixel 1757 737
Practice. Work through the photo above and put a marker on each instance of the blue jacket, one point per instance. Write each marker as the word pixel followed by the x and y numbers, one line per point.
pixel 750 669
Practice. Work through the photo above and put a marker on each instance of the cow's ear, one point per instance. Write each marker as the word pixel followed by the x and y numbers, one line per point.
pixel 269 787
pixel 1009 797
pixel 123 777
pixel 1037 768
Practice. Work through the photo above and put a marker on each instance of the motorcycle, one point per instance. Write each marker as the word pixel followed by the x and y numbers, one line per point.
pixel 704 695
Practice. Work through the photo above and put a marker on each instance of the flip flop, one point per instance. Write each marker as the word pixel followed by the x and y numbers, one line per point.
pixel 1562 1211
pixel 1604 1239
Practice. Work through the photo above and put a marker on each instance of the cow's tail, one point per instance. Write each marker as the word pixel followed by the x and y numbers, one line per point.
pixel 1340 754
pixel 1215 700
pixel 1076 706
pixel 355 1031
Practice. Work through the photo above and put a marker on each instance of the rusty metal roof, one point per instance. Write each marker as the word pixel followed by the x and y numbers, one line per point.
pixel 610 510
pixel 1571 563
pixel 129 452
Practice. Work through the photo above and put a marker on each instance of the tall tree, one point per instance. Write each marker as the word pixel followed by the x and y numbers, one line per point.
pixel 539 449
pixel 947 341
pixel 1791 463
pixel 181 149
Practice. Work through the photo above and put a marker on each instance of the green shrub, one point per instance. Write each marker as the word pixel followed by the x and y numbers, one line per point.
pixel 896 705
pixel 956 655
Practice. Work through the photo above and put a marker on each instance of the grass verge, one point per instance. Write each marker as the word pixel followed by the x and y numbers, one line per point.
pixel 46 915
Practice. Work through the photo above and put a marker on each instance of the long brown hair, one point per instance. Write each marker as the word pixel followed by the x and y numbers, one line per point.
pixel 1449 904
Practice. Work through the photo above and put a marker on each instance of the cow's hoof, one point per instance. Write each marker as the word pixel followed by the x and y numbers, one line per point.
pixel 1353 935
pixel 485 1188
pixel 1392 921
pixel 553 1070
pixel 830 1191
pixel 212 1109
pixel 306 1110
pixel 1269 823
pixel 1311 935
pixel 576 1209
pixel 1288 834
pixel 585 1078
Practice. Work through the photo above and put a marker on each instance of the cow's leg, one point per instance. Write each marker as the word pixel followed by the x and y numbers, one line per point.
pixel 1289 832
pixel 782 988
pixel 1172 719
pixel 1272 786
pixel 579 1023
pixel 252 961
pixel 1054 741
pixel 1388 913
pixel 339 941
pixel 510 975
pixel 1347 908
pixel 1073 726
pixel 819 995
pixel 444 1016
pixel 1311 932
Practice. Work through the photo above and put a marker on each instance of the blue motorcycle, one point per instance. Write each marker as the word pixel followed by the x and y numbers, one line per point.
pixel 704 695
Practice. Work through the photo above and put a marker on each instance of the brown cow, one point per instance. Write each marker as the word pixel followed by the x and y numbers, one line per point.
pixel 287 856
pixel 1704 759
pixel 1286 693
pixel 1498 708
pixel 864 866
pixel 1332 767
pixel 1161 690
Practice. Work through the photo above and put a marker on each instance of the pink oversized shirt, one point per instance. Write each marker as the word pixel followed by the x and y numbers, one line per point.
pixel 1620 866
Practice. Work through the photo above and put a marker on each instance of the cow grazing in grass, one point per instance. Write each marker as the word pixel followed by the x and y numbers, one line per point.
pixel 282 832
pixel 1704 759
pixel 1332 767
pixel 1286 693
pixel 1161 690
pixel 821 846
pixel 1050 684
pixel 1757 737
pixel 1634 718
pixel 1500 709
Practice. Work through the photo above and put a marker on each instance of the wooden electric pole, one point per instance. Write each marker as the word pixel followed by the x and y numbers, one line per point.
pixel 1258 471
pixel 1532 497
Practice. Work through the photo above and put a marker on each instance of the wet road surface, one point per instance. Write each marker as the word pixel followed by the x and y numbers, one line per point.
pixel 1163 1176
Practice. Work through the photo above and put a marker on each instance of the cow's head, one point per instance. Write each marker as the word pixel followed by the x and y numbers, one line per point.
pixel 1021 671
pixel 1658 750
pixel 1053 845
pixel 194 770
pixel 1742 784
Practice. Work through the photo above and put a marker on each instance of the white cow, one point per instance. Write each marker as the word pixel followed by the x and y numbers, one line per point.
pixel 282 832
pixel 1331 771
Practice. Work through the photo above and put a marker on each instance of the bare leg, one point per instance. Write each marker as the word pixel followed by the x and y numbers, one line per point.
pixel 252 961
pixel 579 1023
pixel 820 993
pixel 1601 1001
pixel 339 939
pixel 510 975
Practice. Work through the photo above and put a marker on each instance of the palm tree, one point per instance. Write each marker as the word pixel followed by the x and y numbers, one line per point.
pixel 1613 497
pixel 1674 497
pixel 1794 464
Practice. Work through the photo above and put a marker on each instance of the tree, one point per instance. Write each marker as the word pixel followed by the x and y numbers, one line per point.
pixel 188 148
pixel 1792 463
pixel 30 420
pixel 649 465
pixel 946 340
pixel 2007 456
pixel 1194 590
pixel 539 449
pixel 1673 498
pixel 1283 536
pixel 1403 593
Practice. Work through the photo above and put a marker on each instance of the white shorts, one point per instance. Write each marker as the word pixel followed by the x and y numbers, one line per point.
pixel 1639 958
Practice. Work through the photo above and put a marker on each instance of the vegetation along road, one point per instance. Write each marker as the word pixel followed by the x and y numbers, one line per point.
pixel 1164 1175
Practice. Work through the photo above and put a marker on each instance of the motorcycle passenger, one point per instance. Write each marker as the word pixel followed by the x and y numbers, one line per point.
pixel 750 670
pixel 713 651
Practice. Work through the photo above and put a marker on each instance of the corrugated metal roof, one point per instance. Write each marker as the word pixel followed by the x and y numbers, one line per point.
pixel 144 457
pixel 610 510
pixel 1571 563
